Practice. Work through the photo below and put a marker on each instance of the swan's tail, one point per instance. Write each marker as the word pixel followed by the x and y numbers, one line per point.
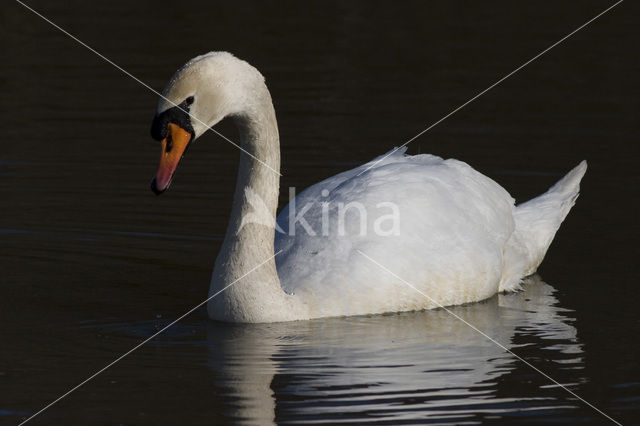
pixel 538 219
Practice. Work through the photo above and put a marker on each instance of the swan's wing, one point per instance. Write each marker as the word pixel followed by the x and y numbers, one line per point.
pixel 438 224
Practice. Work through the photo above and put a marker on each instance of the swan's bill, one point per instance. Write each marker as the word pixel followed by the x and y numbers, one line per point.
pixel 173 148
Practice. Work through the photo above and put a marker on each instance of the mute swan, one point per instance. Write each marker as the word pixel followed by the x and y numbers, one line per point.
pixel 437 224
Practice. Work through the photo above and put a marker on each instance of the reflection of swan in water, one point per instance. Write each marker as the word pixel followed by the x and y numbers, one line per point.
pixel 420 365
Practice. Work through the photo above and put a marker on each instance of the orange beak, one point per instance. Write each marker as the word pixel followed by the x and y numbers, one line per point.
pixel 173 148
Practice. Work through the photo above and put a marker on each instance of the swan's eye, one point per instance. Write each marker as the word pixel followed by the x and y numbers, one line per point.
pixel 178 115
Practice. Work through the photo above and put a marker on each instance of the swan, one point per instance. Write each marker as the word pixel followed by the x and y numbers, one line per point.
pixel 432 227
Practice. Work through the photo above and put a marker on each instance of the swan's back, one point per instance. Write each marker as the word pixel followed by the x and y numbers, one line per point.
pixel 452 225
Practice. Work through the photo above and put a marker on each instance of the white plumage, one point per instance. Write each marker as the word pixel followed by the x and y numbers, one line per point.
pixel 437 224
pixel 460 237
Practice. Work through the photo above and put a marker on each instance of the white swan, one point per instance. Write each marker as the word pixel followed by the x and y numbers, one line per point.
pixel 437 224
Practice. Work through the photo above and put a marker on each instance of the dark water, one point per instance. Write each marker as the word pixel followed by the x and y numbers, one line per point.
pixel 91 263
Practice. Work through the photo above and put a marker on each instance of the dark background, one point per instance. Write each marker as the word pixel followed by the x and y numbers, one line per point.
pixel 85 246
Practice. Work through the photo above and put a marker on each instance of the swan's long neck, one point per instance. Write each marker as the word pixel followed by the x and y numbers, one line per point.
pixel 254 296
pixel 258 180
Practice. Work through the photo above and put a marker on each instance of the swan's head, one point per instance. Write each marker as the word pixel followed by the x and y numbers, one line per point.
pixel 199 95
